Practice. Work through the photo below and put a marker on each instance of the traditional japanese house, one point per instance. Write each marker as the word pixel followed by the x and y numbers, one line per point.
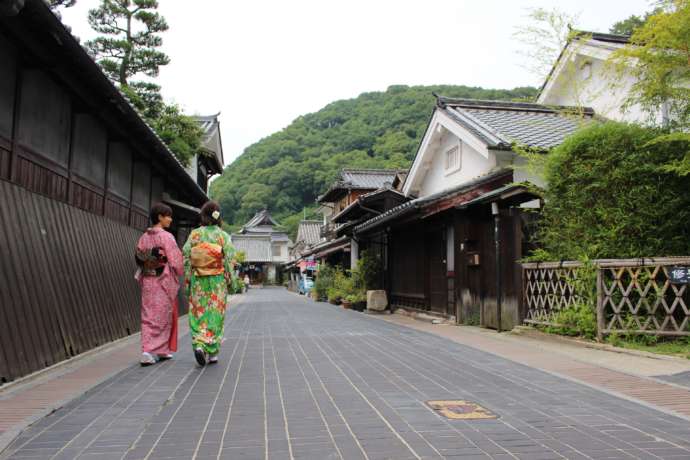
pixel 350 185
pixel 79 169
pixel 363 208
pixel 442 251
pixel 265 245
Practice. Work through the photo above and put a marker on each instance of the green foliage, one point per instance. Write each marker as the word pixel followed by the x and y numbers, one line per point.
pixel 653 344
pixel 128 47
pixel 370 267
pixel 544 36
pixel 658 56
pixel 286 171
pixel 146 98
pixel 179 131
pixel 610 195
pixel 240 257
pixel 237 285
pixel 124 49
pixel 579 320
pixel 324 281
pixel 632 23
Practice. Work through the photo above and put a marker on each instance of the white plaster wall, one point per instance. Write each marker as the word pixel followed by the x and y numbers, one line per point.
pixel 522 172
pixel 579 86
pixel 473 164
pixel 284 252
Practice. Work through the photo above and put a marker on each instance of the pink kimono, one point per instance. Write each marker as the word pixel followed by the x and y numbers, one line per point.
pixel 159 294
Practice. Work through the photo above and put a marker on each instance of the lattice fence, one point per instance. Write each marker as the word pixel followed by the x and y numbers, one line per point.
pixel 632 296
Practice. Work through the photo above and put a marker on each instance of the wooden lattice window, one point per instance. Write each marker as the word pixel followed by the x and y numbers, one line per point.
pixel 453 159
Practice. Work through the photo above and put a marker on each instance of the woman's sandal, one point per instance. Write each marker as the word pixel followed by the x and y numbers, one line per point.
pixel 200 356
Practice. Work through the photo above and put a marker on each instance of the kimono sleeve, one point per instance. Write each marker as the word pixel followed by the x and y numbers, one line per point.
pixel 228 255
pixel 173 254
pixel 187 264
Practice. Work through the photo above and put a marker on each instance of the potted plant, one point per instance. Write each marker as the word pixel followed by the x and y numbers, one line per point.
pixel 348 300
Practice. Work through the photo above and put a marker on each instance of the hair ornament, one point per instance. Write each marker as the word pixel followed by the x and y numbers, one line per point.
pixel 215 215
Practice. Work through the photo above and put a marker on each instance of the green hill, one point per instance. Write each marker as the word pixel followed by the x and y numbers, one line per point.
pixel 287 170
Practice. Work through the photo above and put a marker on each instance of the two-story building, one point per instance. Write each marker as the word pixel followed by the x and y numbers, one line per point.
pixel 266 248
pixel 338 248
pixel 451 247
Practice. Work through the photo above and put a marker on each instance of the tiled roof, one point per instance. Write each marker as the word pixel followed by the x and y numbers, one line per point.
pixel 410 206
pixel 367 178
pixel 261 220
pixel 256 248
pixel 309 232
pixel 358 179
pixel 210 127
pixel 613 38
pixel 500 123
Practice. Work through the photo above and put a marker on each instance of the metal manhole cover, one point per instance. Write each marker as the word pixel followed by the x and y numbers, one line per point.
pixel 461 410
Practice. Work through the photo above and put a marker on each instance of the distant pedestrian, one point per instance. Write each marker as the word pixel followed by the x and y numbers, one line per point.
pixel 160 266
pixel 246 282
pixel 208 269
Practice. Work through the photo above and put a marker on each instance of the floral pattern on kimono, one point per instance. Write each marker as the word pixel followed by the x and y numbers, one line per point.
pixel 159 294
pixel 208 255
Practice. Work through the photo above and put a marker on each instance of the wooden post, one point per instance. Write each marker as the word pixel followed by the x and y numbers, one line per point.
pixel 601 323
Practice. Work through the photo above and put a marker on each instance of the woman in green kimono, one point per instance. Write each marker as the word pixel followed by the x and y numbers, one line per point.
pixel 208 266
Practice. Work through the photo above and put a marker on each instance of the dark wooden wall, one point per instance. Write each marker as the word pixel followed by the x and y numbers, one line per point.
pixel 476 284
pixel 74 197
pixel 66 281
pixel 408 267
pixel 53 143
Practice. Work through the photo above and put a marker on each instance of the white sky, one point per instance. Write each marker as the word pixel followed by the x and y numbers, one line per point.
pixel 263 63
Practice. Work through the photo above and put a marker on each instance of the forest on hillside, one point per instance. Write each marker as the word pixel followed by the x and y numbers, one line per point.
pixel 287 170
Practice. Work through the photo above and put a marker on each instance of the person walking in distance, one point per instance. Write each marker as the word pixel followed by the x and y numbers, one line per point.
pixel 160 267
pixel 208 270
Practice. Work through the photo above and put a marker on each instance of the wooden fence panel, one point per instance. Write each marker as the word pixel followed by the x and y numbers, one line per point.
pixel 66 281
pixel 633 296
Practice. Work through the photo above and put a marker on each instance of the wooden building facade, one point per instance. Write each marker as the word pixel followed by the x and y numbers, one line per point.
pixel 453 248
pixel 79 169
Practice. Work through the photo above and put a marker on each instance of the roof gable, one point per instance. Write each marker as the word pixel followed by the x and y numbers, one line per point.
pixel 592 44
pixel 261 218
pixel 493 125
pixel 211 141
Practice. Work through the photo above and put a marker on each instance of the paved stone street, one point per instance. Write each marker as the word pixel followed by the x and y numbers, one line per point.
pixel 299 379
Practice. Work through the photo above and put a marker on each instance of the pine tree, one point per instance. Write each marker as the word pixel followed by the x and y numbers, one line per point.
pixel 129 48
pixel 124 51
pixel 129 44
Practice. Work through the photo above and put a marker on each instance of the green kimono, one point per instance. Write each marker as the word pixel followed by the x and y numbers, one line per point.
pixel 208 255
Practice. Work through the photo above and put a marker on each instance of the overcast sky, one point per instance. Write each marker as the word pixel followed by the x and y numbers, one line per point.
pixel 264 63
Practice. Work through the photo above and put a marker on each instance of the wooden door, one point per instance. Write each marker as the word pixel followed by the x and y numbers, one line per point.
pixel 436 260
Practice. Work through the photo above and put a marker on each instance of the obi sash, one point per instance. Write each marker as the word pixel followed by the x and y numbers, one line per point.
pixel 207 259
pixel 151 261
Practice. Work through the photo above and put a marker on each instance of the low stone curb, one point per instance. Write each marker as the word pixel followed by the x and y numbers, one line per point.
pixel 531 332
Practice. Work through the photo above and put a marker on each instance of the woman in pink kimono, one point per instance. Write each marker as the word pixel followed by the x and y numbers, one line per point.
pixel 160 268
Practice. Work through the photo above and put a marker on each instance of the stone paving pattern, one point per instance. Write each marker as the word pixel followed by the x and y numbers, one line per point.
pixel 305 380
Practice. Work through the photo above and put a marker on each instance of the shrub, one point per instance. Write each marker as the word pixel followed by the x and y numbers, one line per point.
pixel 324 281
pixel 369 269
pixel 611 195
